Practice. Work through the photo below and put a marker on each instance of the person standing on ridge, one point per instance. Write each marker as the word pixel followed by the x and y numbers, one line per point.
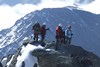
pixel 43 31
pixel 69 34
pixel 59 33
pixel 36 30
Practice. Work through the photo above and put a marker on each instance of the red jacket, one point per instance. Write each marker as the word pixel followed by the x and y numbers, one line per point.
pixel 59 31
pixel 43 30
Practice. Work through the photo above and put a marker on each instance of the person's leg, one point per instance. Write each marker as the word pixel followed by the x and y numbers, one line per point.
pixel 69 41
pixel 56 38
pixel 34 36
pixel 60 38
pixel 65 40
pixel 42 37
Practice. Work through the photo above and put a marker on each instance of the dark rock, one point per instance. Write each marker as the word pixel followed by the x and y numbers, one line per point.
pixel 66 56
pixel 35 65
pixel 1 64
pixel 23 64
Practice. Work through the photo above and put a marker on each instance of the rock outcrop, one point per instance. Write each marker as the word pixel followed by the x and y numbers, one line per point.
pixel 65 56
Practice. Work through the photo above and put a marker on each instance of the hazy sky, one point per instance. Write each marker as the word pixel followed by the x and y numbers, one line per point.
pixel 12 10
pixel 15 2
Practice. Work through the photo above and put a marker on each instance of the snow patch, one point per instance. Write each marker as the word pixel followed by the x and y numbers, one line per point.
pixel 4 62
pixel 27 56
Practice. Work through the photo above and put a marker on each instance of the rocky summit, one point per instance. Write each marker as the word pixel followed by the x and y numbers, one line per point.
pixel 64 56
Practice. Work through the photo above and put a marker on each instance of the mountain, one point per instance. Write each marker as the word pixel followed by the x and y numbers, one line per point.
pixel 85 26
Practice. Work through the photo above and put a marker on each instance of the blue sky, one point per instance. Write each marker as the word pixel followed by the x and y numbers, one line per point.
pixel 12 10
pixel 35 2
pixel 15 2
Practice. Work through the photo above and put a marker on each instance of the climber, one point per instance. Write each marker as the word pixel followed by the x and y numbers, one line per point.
pixel 59 33
pixel 43 31
pixel 36 30
pixel 69 34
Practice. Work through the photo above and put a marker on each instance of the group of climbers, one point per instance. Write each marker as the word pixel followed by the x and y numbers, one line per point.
pixel 64 36
pixel 39 30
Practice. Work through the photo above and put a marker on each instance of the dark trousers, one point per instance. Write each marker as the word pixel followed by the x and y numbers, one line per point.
pixel 69 40
pixel 60 39
pixel 42 38
pixel 35 37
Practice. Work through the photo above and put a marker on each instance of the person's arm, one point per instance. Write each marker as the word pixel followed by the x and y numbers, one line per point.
pixel 47 29
pixel 65 32
pixel 71 33
pixel 33 27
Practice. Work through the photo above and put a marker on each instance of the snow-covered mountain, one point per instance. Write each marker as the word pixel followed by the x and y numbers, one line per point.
pixel 85 26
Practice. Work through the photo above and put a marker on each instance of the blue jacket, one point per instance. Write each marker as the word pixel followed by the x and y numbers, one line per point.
pixel 68 33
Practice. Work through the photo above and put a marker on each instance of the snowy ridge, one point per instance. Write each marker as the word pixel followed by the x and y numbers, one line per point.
pixel 24 55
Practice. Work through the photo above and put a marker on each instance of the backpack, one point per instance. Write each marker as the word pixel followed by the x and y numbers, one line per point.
pixel 36 26
pixel 43 30
pixel 59 31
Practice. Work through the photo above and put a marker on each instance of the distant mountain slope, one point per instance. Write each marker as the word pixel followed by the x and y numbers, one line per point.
pixel 85 26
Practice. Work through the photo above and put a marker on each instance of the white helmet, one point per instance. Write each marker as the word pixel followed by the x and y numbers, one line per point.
pixel 69 26
pixel 44 23
pixel 60 25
